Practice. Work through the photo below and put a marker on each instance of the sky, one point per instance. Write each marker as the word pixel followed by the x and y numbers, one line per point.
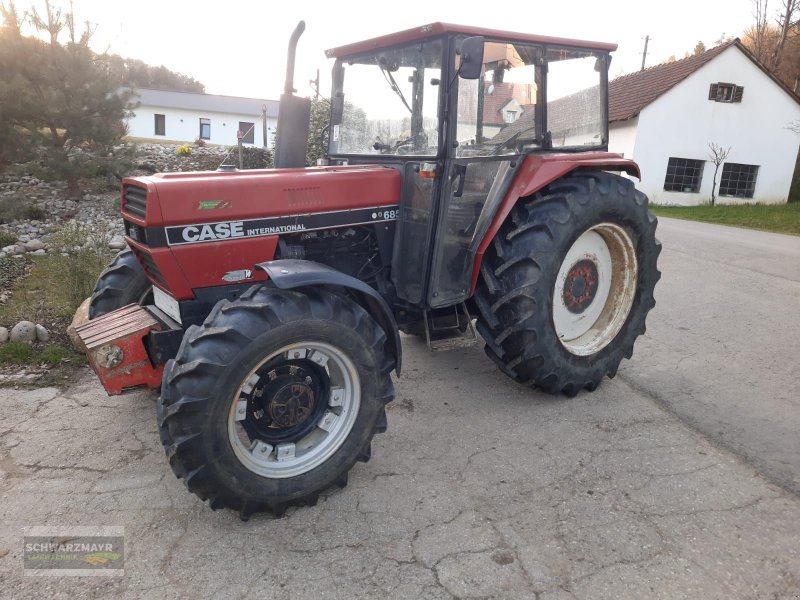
pixel 238 47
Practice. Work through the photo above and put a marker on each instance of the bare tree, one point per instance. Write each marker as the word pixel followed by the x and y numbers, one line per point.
pixel 717 155
pixel 760 31
pixel 788 20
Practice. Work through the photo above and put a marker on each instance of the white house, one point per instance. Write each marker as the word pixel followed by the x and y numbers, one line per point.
pixel 666 116
pixel 187 116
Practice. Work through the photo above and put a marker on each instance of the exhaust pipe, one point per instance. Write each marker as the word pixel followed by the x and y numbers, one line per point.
pixel 293 115
pixel 288 87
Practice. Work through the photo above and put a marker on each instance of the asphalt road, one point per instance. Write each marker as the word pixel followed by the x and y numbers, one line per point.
pixel 661 484
pixel 723 347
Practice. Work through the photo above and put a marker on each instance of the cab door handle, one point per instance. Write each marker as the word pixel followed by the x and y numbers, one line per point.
pixel 460 172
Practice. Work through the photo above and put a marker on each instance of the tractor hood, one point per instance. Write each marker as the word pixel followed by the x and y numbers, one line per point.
pixel 209 197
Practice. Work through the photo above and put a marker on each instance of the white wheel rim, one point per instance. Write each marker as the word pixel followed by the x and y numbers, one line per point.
pixel 595 289
pixel 331 425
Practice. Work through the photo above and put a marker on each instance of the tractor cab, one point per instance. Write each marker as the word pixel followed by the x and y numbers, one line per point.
pixel 456 110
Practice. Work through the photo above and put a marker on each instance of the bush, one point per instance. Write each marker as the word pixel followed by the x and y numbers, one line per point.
pixel 88 255
pixel 184 150
pixel 199 142
pixel 252 158
pixel 18 207
pixel 11 269
pixel 6 239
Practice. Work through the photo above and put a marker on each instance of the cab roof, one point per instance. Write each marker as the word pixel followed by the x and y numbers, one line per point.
pixel 436 29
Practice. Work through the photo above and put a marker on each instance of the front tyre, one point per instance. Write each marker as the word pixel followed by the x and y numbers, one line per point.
pixel 274 398
pixel 567 284
pixel 121 283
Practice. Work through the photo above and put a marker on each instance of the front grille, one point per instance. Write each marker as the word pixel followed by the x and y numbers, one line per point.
pixel 150 268
pixel 134 200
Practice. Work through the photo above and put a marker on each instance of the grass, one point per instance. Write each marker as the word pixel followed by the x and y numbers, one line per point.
pixel 778 218
pixel 47 290
pixel 17 353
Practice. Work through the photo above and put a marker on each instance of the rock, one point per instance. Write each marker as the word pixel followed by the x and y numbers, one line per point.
pixel 42 334
pixel 117 243
pixel 34 245
pixel 18 250
pixel 41 252
pixel 3 335
pixel 81 317
pixel 24 239
pixel 24 331
pixel 9 249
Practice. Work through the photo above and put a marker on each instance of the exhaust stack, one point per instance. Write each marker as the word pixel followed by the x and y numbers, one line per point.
pixel 293 115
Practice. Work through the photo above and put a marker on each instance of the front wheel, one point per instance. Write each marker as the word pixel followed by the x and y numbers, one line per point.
pixel 274 398
pixel 121 283
pixel 567 284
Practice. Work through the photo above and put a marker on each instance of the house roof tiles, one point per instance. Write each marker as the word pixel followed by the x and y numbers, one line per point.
pixel 629 94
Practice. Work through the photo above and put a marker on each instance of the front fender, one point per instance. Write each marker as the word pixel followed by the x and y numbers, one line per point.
pixel 287 274
pixel 536 172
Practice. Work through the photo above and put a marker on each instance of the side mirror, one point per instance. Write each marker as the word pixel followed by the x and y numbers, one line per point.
pixel 471 52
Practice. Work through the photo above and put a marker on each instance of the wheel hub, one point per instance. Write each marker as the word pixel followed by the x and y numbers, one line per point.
pixel 283 401
pixel 594 288
pixel 580 286
pixel 291 405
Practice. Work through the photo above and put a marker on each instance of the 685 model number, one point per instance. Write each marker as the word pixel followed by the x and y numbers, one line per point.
pixel 386 214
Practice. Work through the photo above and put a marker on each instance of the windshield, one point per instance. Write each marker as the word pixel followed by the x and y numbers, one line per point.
pixel 389 102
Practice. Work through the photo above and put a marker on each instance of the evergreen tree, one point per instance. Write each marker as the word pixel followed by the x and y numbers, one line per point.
pixel 60 96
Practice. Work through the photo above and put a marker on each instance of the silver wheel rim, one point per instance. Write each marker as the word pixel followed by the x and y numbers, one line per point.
pixel 595 289
pixel 331 427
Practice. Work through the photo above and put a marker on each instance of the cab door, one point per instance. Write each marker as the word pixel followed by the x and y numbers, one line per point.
pixel 494 120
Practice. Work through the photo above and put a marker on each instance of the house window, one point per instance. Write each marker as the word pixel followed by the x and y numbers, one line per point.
pixel 738 181
pixel 684 175
pixel 160 125
pixel 725 92
pixel 511 116
pixel 248 132
pixel 205 129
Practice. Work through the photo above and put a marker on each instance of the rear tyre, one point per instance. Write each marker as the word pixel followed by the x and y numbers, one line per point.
pixel 568 281
pixel 121 283
pixel 274 398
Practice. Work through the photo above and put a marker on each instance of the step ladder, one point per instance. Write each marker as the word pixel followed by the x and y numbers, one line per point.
pixel 449 337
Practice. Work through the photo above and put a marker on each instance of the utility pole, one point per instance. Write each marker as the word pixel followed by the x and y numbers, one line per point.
pixel 264 130
pixel 644 54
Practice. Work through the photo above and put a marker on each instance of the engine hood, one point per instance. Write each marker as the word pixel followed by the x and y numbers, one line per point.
pixel 211 196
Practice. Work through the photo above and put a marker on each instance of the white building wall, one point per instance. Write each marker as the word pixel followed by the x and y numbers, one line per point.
pixel 682 123
pixel 622 137
pixel 184 126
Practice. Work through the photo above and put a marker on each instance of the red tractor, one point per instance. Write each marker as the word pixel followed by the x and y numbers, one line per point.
pixel 467 181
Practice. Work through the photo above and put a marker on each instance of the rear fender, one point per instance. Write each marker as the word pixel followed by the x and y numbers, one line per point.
pixel 288 274
pixel 536 172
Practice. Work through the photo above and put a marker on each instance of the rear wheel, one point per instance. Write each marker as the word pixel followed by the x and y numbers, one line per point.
pixel 274 398
pixel 121 283
pixel 567 284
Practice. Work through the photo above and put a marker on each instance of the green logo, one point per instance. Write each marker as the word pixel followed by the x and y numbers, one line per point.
pixel 212 204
